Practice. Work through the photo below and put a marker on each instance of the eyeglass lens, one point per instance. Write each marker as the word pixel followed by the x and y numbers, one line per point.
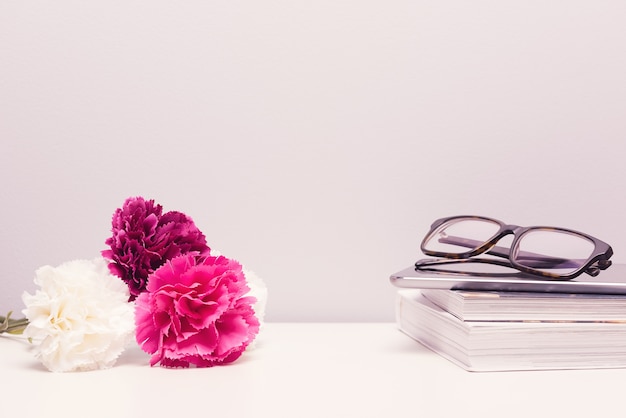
pixel 461 235
pixel 551 251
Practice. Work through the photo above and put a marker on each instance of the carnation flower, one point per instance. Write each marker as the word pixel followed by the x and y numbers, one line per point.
pixel 258 290
pixel 80 317
pixel 144 238
pixel 195 312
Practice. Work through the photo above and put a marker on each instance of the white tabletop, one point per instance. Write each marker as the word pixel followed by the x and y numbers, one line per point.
pixel 306 370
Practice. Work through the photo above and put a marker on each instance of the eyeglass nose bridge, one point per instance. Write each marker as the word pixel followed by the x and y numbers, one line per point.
pixel 511 229
pixel 504 231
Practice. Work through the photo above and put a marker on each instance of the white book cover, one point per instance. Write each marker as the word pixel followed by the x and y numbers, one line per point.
pixel 473 305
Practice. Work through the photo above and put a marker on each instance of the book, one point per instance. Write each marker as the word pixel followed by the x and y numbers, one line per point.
pixel 483 346
pixel 528 306
pixel 489 277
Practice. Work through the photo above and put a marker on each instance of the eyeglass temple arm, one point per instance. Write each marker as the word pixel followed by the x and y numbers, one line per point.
pixel 531 259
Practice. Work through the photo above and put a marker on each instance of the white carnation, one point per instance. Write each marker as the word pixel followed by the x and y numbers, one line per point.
pixel 258 289
pixel 80 317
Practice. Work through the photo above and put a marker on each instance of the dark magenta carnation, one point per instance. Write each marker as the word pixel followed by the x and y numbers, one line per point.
pixel 195 312
pixel 144 238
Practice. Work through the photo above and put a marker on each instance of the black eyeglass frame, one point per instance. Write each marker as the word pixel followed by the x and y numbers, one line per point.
pixel 597 261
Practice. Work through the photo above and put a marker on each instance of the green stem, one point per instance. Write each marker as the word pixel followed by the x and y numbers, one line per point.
pixel 12 326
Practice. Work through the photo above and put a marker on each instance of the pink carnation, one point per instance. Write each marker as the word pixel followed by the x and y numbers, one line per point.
pixel 194 313
pixel 144 239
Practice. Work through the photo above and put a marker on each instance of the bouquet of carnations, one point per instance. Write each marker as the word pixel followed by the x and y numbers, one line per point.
pixel 159 283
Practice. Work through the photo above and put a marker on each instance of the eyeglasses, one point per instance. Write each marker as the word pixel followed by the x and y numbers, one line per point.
pixel 548 252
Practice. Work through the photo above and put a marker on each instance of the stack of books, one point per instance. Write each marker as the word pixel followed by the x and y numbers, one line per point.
pixel 509 330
